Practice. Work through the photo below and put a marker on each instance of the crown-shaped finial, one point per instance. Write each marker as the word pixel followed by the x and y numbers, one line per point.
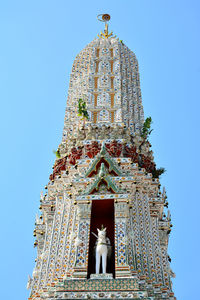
pixel 104 18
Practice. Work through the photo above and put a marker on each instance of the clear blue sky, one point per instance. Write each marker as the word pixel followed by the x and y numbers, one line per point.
pixel 39 41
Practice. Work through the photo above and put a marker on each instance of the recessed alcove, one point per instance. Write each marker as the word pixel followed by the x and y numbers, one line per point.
pixel 102 214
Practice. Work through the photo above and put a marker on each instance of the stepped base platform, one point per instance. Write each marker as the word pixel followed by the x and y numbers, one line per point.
pixel 105 295
pixel 102 286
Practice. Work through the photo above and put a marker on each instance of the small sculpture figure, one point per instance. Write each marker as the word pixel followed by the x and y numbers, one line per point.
pixel 145 148
pixel 96 133
pixel 89 134
pixel 107 132
pixel 150 155
pixel 121 132
pixel 137 140
pixel 114 132
pixel 81 134
pixel 102 132
pixel 127 135
pixel 102 245
pixel 71 143
pixel 62 148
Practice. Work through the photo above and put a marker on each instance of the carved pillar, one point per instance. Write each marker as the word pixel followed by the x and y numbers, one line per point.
pixel 82 240
pixel 122 268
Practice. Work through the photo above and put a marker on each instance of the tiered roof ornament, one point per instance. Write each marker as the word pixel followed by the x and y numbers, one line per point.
pixel 105 18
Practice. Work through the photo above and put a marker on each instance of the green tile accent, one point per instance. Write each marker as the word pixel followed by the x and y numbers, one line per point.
pixel 100 285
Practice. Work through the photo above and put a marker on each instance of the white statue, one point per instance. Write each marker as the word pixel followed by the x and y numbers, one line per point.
pixel 102 250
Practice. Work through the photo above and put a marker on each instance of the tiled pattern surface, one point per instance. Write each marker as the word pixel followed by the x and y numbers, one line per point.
pixel 105 74
pixel 101 285
pixel 104 295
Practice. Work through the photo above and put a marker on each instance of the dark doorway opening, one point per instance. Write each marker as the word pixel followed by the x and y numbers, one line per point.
pixel 102 213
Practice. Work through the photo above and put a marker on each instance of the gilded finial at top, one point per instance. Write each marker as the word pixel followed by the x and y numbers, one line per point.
pixel 104 18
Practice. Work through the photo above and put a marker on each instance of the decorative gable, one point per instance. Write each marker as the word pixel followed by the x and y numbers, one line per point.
pixel 103 157
pixel 102 178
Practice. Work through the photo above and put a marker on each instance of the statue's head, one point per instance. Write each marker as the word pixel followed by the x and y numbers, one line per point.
pixel 101 232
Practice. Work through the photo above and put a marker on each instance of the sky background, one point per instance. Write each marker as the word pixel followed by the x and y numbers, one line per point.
pixel 38 42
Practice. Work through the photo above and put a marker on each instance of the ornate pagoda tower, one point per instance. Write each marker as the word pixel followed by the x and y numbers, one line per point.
pixel 104 173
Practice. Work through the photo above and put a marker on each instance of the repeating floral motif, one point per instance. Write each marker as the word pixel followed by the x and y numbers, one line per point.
pixel 81 255
pixel 121 244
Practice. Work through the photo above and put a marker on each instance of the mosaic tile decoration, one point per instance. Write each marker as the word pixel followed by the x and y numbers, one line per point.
pixel 103 158
pixel 96 77
pixel 100 197
pixel 102 285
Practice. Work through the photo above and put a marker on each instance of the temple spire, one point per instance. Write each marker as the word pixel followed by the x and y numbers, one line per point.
pixel 105 173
